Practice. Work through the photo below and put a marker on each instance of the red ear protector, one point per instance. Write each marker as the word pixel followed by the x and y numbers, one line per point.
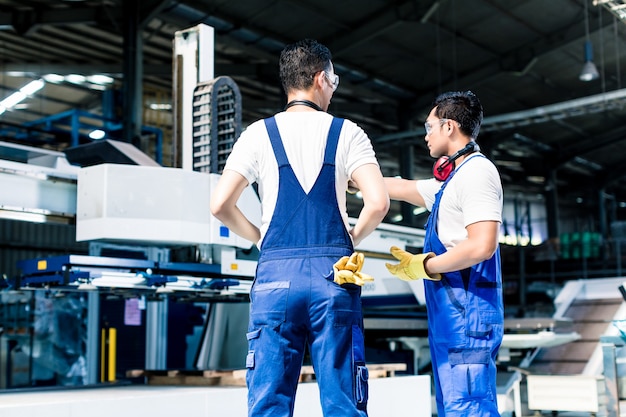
pixel 445 165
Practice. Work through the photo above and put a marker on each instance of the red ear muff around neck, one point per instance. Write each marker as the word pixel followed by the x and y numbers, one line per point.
pixel 445 164
pixel 442 168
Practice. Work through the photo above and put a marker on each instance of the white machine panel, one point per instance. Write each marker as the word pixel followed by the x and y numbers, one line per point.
pixel 44 183
pixel 158 205
pixel 566 393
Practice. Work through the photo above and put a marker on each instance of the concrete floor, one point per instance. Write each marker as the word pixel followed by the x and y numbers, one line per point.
pixel 389 397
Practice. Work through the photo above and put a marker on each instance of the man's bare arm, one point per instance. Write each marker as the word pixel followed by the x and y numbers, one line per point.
pixel 404 190
pixel 481 244
pixel 369 180
pixel 224 205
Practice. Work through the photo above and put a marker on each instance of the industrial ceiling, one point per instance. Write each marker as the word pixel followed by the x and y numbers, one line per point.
pixel 546 130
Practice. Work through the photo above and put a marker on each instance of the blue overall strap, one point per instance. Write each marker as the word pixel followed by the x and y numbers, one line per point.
pixel 279 149
pixel 305 224
pixel 277 144
pixel 435 209
pixel 333 140
pixel 455 170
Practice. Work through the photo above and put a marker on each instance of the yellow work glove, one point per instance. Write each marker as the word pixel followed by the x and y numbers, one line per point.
pixel 348 270
pixel 411 267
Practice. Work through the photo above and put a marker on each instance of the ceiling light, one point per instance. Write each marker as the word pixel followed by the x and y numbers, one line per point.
pixel 15 98
pixel 54 78
pixel 160 106
pixel 508 164
pixel 97 134
pixel 75 78
pixel 32 87
pixel 536 179
pixel 397 218
pixel 589 72
pixel 617 7
pixel 100 79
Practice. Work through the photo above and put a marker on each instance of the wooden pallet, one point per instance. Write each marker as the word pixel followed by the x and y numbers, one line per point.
pixel 383 370
pixel 237 378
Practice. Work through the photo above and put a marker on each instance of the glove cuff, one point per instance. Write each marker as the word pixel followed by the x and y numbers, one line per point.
pixel 431 276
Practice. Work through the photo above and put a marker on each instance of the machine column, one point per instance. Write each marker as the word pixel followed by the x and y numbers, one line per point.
pixel 93 336
pixel 156 334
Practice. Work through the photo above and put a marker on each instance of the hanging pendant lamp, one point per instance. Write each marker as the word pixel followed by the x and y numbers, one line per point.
pixel 589 71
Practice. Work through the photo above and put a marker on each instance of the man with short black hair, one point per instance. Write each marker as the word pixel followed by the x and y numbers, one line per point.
pixel 307 287
pixel 461 259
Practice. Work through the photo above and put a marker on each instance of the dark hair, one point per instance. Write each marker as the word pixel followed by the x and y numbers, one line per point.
pixel 300 61
pixel 462 106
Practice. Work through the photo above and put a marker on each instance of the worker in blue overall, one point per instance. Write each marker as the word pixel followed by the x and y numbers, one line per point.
pixel 460 263
pixel 307 287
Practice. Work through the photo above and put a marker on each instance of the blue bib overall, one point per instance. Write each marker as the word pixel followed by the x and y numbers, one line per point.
pixel 295 303
pixel 465 325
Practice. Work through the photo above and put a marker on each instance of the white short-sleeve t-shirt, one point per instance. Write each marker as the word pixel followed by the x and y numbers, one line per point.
pixel 304 137
pixel 474 194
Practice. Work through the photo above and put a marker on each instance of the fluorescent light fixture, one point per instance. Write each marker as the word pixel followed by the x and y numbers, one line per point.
pixel 617 7
pixel 54 78
pixel 75 78
pixel 15 98
pixel 160 106
pixel 12 100
pixel 536 179
pixel 98 87
pixel 97 81
pixel 97 134
pixel 32 87
pixel 100 79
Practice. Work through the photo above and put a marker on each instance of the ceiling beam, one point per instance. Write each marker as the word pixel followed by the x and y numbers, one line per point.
pixel 559 111
pixel 24 21
pixel 512 59
pixel 115 69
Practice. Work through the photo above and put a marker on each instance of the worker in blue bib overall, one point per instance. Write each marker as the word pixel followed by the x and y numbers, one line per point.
pixel 461 260
pixel 307 286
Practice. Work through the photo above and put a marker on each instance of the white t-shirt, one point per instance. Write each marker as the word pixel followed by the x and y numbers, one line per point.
pixel 304 137
pixel 474 194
